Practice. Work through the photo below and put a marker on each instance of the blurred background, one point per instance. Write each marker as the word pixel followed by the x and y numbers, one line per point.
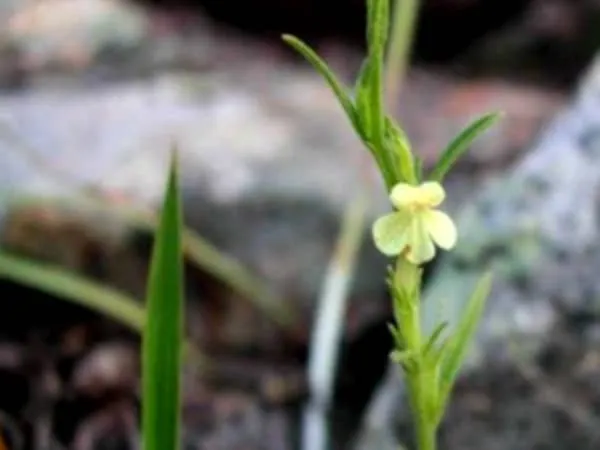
pixel 95 93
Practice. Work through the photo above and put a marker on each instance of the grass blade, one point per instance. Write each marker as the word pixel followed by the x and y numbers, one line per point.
pixel 197 249
pixel 340 91
pixel 433 338
pixel 460 144
pixel 163 333
pixel 72 287
pixel 458 345
pixel 75 288
pixel 234 274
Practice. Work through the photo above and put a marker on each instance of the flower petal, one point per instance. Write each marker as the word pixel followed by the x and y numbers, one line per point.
pixel 404 195
pixel 431 193
pixel 421 247
pixel 390 233
pixel 441 228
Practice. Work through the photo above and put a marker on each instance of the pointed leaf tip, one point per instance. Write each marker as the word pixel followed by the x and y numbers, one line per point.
pixel 163 331
pixel 461 143
pixel 338 88
pixel 458 345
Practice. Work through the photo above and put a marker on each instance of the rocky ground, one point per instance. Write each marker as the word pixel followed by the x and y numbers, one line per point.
pixel 95 92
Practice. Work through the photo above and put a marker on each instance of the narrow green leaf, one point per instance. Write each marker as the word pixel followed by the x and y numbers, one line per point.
pixel 418 169
pixel 429 345
pixel 397 335
pixel 364 107
pixel 74 288
pixel 400 304
pixel 398 145
pixel 340 91
pixel 460 144
pixel 366 114
pixel 377 31
pixel 378 13
pixel 77 289
pixel 458 344
pixel 437 354
pixel 401 356
pixel 370 109
pixel 196 248
pixel 163 333
pixel 395 131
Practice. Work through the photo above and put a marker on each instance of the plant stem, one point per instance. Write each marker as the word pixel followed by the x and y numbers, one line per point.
pixel 425 434
pixel 405 14
pixel 418 379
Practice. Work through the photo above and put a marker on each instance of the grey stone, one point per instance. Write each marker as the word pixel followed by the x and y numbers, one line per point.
pixel 536 228
pixel 68 33
pixel 268 164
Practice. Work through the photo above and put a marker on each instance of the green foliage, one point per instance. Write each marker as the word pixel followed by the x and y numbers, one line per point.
pixel 460 144
pixel 163 332
pixel 430 367
pixel 377 32
pixel 458 344
pixel 340 91
pixel 366 111
pixel 431 363
pixel 71 287
pixel 198 251
pixel 398 145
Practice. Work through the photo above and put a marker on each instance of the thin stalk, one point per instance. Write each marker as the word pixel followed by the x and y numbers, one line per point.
pixel 405 15
pixel 425 431
pixel 425 435
pixel 418 383
pixel 328 328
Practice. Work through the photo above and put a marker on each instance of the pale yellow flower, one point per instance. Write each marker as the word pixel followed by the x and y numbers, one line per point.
pixel 415 226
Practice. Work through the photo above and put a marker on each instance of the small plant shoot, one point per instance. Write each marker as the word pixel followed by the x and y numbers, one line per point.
pixel 413 231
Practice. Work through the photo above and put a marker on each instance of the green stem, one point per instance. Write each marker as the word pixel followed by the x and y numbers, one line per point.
pixel 404 21
pixel 425 435
pixel 407 277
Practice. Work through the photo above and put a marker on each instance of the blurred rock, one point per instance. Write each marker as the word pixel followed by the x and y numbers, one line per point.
pixel 453 102
pixel 228 419
pixel 536 228
pixel 71 33
pixel 107 369
pixel 115 426
pixel 269 164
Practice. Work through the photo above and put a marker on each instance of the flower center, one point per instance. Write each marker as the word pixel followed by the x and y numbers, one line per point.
pixel 418 206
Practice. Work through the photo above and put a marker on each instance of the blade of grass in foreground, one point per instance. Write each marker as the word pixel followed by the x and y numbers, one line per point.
pixel 163 332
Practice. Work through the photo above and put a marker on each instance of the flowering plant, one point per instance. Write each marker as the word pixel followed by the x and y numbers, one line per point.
pixel 430 362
